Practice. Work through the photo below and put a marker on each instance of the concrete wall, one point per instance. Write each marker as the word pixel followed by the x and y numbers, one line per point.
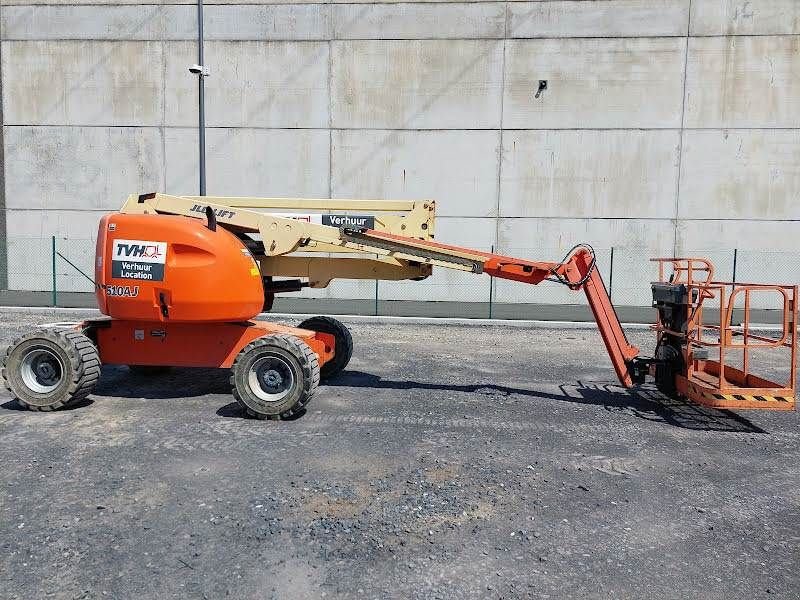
pixel 667 125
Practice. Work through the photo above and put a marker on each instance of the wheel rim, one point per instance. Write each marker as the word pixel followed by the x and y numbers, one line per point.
pixel 42 370
pixel 271 378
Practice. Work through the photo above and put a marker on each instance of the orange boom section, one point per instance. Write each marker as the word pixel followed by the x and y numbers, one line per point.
pixel 163 267
pixel 577 271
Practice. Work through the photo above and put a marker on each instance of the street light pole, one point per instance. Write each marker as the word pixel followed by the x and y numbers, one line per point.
pixel 201 100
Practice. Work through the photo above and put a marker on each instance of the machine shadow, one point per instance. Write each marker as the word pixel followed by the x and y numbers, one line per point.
pixel 232 410
pixel 644 403
pixel 177 383
pixel 119 382
pixel 14 405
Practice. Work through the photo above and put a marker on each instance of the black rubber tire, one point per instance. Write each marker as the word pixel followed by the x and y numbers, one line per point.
pixel 666 371
pixel 77 356
pixel 148 370
pixel 344 343
pixel 294 353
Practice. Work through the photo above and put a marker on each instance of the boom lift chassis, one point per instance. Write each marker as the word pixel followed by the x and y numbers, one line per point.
pixel 311 242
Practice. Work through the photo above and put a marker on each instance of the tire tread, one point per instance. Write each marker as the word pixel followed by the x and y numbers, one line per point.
pixel 84 366
pixel 344 342
pixel 309 363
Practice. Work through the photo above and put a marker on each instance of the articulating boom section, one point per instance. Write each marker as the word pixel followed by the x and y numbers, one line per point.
pixel 403 244
pixel 576 271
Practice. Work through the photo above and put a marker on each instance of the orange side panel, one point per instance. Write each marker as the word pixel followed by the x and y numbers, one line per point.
pixel 192 345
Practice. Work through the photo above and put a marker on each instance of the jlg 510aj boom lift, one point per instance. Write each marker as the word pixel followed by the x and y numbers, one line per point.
pixel 181 280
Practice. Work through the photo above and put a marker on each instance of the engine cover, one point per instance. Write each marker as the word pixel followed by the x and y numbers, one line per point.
pixel 174 268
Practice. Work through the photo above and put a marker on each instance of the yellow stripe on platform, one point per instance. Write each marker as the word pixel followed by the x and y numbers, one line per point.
pixel 740 397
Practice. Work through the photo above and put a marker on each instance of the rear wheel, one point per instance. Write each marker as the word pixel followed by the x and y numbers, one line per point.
pixel 51 369
pixel 344 343
pixel 275 376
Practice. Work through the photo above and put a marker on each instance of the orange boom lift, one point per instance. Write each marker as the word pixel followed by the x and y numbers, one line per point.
pixel 181 280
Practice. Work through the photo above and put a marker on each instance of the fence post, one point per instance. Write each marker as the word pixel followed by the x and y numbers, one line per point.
pixel 491 290
pixel 611 273
pixel 53 254
pixel 376 292
pixel 735 257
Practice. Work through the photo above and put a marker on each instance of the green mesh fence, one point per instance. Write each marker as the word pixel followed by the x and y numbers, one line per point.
pixel 64 265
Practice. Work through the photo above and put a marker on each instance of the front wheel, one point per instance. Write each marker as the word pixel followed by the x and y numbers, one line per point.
pixel 51 369
pixel 275 376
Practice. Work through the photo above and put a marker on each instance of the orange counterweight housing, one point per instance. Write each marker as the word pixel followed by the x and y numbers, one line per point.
pixel 176 269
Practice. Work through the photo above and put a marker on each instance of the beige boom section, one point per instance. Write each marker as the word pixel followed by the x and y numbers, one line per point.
pixel 294 242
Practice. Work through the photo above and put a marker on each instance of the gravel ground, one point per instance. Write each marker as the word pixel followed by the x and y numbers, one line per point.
pixel 447 462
